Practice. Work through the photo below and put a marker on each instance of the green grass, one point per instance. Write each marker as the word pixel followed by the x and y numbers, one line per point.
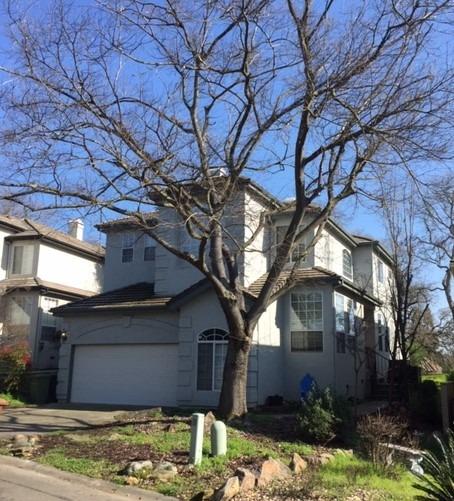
pixel 89 467
pixel 344 474
pixel 437 378
pixel 13 401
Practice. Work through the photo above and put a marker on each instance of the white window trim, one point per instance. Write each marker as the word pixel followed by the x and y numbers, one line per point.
pixel 11 259
pixel 213 343
pixel 300 245
pixel 127 243
pixel 349 275
pixel 301 328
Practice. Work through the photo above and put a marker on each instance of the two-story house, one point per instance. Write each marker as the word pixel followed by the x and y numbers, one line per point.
pixel 157 335
pixel 42 268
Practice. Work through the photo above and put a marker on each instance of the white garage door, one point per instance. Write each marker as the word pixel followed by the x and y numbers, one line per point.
pixel 125 374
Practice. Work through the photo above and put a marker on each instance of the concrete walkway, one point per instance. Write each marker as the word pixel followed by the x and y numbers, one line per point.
pixel 21 480
pixel 37 420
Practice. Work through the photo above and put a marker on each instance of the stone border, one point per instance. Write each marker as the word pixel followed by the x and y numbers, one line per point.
pixel 100 485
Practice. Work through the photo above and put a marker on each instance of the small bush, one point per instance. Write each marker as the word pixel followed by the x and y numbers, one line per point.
pixel 376 432
pixel 437 483
pixel 15 360
pixel 450 376
pixel 322 416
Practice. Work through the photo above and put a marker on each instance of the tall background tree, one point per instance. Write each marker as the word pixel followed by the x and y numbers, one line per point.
pixel 126 105
pixel 437 238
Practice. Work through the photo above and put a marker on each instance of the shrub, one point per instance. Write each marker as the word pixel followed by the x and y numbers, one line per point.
pixel 322 416
pixel 437 483
pixel 376 432
pixel 450 376
pixel 14 361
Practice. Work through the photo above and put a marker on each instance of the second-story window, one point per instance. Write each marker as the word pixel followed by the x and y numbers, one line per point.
pixel 298 254
pixel 127 251
pixel 149 248
pixel 22 259
pixel 347 265
pixel 380 271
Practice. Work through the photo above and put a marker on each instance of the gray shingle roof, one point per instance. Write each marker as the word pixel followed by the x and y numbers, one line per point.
pixel 293 276
pixel 10 284
pixel 27 228
pixel 134 296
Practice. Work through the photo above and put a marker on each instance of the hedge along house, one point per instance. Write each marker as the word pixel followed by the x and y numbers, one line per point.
pixel 157 335
pixel 42 268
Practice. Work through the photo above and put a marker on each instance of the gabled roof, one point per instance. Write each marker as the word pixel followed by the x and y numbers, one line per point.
pixel 295 276
pixel 362 240
pixel 126 222
pixel 316 274
pixel 11 284
pixel 136 296
pixel 28 229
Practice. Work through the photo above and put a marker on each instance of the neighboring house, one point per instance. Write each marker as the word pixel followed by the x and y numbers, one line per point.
pixel 157 335
pixel 42 268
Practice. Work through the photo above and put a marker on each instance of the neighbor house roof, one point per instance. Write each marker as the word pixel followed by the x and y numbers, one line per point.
pixel 11 284
pixel 136 296
pixel 28 229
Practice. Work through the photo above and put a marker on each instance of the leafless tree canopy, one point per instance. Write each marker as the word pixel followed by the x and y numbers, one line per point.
pixel 437 214
pixel 128 104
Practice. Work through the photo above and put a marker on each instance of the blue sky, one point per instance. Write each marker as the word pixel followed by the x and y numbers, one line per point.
pixel 356 217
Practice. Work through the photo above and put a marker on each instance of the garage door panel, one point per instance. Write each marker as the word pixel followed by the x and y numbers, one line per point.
pixel 125 374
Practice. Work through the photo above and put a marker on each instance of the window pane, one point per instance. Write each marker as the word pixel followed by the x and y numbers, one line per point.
pixel 22 260
pixel 127 255
pixel 340 320
pixel 205 367
pixel 340 342
pixel 18 252
pixel 308 310
pixel 347 264
pixel 220 352
pixel 149 254
pixel 306 341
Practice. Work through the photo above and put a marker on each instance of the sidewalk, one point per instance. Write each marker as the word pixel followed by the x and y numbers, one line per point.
pixel 22 479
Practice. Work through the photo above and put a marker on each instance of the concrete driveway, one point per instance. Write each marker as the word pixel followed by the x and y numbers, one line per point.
pixel 37 420
pixel 21 479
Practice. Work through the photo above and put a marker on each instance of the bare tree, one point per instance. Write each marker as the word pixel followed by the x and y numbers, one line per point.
pixel 409 295
pixel 131 106
pixel 437 214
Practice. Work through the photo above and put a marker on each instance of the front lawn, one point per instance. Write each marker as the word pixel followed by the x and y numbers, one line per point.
pixel 105 452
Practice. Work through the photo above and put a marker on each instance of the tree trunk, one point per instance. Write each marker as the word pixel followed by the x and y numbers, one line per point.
pixel 233 398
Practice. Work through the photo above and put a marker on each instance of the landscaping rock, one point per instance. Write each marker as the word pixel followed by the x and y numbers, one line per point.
pixel 164 472
pixel 247 479
pixel 137 466
pixel 298 464
pixel 319 460
pixel 3 404
pixel 209 421
pixel 203 496
pixel 273 469
pixel 20 440
pixel 228 491
pixel 170 428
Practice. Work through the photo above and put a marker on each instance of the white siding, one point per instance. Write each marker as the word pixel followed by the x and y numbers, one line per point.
pixel 65 268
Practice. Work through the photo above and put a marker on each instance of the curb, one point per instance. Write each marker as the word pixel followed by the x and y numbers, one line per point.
pixel 100 485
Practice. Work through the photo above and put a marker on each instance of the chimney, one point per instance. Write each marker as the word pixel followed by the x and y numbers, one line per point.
pixel 76 228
